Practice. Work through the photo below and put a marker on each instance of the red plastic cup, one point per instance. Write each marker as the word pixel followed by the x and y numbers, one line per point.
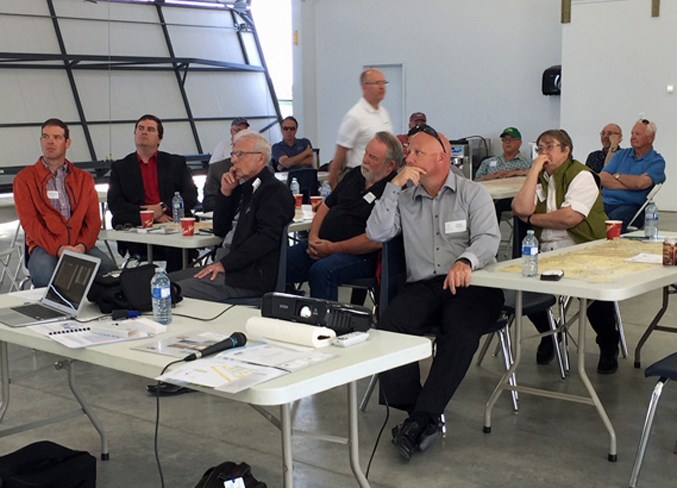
pixel 613 229
pixel 146 218
pixel 188 226
pixel 315 203
pixel 299 201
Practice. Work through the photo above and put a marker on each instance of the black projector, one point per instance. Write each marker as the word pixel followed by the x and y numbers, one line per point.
pixel 340 317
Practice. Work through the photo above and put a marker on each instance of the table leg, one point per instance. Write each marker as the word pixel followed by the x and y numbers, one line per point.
pixel 652 326
pixel 149 253
pixel 4 374
pixel 86 408
pixel 582 325
pixel 353 437
pixel 184 257
pixel 287 462
pixel 505 379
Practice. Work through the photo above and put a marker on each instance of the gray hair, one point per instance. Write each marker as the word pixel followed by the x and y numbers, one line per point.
pixel 651 126
pixel 395 152
pixel 261 144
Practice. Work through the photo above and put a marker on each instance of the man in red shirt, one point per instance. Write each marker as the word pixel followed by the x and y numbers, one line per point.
pixel 147 180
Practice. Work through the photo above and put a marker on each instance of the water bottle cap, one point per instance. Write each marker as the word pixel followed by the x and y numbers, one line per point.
pixel 530 232
pixel 159 270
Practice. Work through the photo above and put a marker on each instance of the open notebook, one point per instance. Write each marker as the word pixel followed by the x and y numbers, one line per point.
pixel 64 296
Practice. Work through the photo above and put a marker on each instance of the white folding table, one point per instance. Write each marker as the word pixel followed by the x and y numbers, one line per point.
pixel 635 284
pixel 383 351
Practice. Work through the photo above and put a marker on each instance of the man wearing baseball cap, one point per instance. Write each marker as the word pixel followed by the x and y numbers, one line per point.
pixel 219 163
pixel 510 163
pixel 417 118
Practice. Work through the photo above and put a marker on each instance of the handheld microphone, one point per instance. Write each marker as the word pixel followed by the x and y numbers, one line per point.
pixel 237 339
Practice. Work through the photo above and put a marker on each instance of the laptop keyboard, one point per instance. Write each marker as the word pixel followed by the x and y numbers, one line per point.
pixel 38 311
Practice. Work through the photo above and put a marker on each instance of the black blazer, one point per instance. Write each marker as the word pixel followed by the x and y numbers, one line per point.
pixel 125 190
pixel 266 206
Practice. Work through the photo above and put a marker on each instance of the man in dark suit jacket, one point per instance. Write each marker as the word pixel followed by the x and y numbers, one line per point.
pixel 265 206
pixel 146 180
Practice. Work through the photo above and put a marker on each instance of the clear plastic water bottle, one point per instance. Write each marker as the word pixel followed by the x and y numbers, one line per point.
pixel 161 293
pixel 651 221
pixel 530 255
pixel 325 190
pixel 178 210
pixel 295 187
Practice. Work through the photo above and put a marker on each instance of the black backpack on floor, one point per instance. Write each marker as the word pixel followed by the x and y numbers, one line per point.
pixel 45 464
pixel 215 476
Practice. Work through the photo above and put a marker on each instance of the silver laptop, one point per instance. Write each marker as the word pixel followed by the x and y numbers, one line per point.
pixel 64 296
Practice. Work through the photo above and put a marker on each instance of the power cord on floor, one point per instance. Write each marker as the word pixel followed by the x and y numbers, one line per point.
pixel 380 433
pixel 157 423
pixel 157 397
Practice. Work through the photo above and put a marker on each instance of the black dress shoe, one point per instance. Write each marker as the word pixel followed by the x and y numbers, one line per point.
pixel 166 389
pixel 411 437
pixel 608 360
pixel 546 351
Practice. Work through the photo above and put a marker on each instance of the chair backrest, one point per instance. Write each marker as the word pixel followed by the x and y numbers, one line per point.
pixel 281 283
pixel 308 182
pixel 393 270
pixel 650 196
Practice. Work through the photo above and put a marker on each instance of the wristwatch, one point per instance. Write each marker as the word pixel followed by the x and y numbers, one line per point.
pixel 163 206
pixel 617 176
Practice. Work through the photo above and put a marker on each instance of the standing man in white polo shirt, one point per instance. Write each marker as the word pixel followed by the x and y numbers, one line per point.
pixel 360 124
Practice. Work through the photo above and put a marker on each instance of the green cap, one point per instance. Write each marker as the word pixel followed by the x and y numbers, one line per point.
pixel 512 132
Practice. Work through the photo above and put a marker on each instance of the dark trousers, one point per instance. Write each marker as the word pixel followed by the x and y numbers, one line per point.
pixel 601 317
pixel 172 255
pixel 458 320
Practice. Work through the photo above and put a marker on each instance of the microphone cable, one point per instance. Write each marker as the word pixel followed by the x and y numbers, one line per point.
pixel 157 398
pixel 157 423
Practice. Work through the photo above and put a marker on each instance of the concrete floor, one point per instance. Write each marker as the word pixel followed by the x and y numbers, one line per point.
pixel 549 443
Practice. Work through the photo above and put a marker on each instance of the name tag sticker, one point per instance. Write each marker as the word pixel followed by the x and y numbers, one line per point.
pixel 53 194
pixel 540 194
pixel 493 163
pixel 369 197
pixel 455 226
pixel 234 483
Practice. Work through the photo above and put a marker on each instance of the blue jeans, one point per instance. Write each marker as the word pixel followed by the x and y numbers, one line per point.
pixel 325 275
pixel 41 265
pixel 624 213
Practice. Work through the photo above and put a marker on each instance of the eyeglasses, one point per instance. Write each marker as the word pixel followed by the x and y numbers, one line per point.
pixel 239 154
pixel 378 83
pixel 124 227
pixel 609 133
pixel 645 121
pixel 142 128
pixel 548 148
pixel 288 128
pixel 426 129
pixel 57 138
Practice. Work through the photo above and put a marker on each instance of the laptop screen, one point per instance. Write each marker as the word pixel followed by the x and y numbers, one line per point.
pixel 71 281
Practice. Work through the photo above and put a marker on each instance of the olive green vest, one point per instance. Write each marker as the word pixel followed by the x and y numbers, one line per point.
pixel 590 228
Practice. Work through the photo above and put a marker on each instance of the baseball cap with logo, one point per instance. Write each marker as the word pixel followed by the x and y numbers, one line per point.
pixel 418 117
pixel 239 121
pixel 512 132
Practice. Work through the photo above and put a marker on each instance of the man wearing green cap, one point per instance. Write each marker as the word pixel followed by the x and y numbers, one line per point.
pixel 510 163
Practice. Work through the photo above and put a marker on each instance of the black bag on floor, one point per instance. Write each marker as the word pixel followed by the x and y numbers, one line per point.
pixel 216 476
pixel 45 464
pixel 130 290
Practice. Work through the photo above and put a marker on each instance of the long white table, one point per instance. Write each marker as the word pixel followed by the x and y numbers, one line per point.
pixel 633 285
pixel 383 351
pixel 159 239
